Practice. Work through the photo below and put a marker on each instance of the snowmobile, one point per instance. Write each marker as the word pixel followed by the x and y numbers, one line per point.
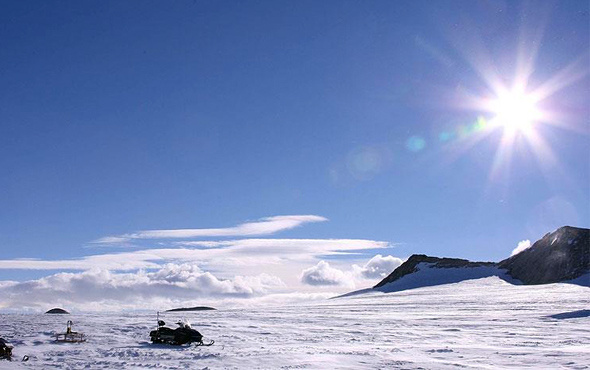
pixel 6 351
pixel 183 334
pixel 70 336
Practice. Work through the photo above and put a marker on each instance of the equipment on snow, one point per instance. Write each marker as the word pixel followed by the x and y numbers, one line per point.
pixel 6 351
pixel 182 335
pixel 70 336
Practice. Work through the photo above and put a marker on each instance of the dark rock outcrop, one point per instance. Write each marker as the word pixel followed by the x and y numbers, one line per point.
pixel 409 266
pixel 563 255
pixel 198 308
pixel 58 311
pixel 559 256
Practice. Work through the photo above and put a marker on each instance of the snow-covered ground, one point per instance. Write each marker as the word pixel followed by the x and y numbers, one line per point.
pixel 485 323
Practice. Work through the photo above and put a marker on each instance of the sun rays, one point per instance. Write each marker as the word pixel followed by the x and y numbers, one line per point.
pixel 520 108
pixel 515 112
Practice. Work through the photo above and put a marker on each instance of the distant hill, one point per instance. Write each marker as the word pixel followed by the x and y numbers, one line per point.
pixel 58 311
pixel 560 256
pixel 184 309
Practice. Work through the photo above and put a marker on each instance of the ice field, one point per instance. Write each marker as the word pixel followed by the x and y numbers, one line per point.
pixel 485 323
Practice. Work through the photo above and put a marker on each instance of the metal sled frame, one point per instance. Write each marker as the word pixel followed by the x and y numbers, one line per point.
pixel 70 336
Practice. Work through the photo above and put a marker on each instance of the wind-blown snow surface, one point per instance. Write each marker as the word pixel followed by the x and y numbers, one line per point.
pixel 485 323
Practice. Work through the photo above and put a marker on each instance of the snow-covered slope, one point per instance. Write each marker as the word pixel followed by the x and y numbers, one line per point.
pixel 485 323
pixel 421 270
pixel 429 274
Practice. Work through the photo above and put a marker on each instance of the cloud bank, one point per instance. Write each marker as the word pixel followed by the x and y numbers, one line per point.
pixel 178 272
pixel 177 283
pixel 174 284
pixel 216 253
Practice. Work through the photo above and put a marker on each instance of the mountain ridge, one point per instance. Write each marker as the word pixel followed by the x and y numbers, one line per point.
pixel 559 256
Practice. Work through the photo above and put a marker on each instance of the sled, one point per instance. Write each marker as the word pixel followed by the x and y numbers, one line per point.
pixel 70 336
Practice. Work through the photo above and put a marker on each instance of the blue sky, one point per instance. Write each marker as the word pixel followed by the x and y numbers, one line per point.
pixel 119 117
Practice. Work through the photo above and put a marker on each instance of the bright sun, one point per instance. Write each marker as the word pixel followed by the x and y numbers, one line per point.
pixel 515 111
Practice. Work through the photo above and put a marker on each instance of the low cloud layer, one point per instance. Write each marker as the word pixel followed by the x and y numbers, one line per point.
pixel 172 281
pixel 175 284
pixel 525 244
pixel 189 270
pixel 225 253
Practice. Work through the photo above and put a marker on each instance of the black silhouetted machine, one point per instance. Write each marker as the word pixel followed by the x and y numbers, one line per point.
pixel 183 334
pixel 5 350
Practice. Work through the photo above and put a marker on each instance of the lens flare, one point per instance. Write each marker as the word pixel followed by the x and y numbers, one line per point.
pixel 415 144
pixel 518 107
pixel 364 163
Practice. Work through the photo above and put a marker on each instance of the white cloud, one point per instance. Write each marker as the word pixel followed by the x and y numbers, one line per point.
pixel 220 253
pixel 185 271
pixel 378 267
pixel 111 261
pixel 263 226
pixel 175 283
pixel 525 244
pixel 291 246
pixel 324 274
pixel 112 279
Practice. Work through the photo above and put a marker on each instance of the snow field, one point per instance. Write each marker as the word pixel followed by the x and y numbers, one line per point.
pixel 484 323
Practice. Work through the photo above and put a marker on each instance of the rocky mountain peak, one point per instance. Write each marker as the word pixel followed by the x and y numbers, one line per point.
pixel 562 255
pixel 410 266
pixel 558 256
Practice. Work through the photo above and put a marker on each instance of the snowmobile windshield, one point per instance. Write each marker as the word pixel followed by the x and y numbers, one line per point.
pixel 184 323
